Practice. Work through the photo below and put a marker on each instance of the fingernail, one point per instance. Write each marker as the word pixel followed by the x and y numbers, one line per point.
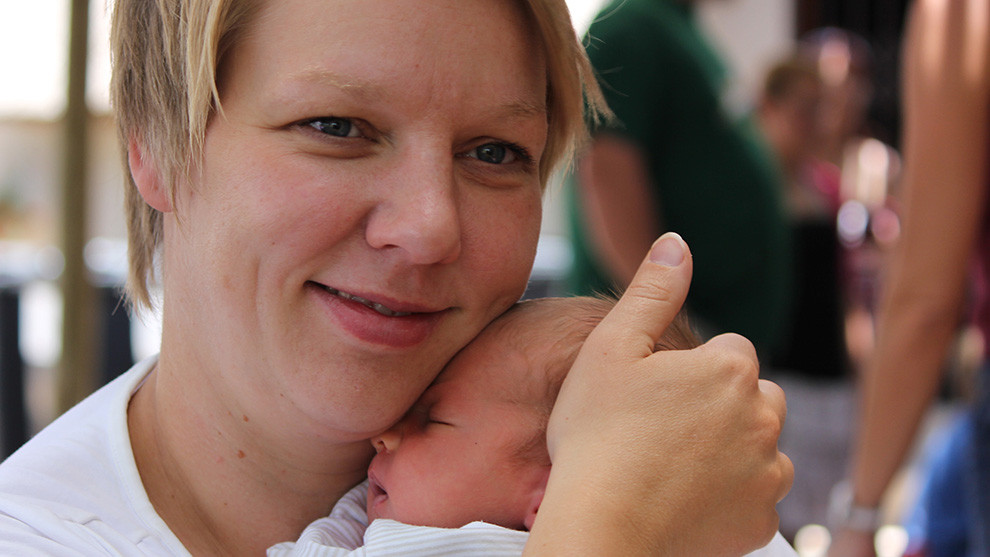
pixel 668 250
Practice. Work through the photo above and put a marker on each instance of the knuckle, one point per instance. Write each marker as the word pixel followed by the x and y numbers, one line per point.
pixel 734 356
pixel 769 526
pixel 768 430
pixel 651 291
pixel 787 471
pixel 772 421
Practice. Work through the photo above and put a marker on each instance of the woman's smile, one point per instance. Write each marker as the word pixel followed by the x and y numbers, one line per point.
pixel 390 323
pixel 380 308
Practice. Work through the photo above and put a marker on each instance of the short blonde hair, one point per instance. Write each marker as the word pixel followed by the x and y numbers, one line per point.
pixel 167 54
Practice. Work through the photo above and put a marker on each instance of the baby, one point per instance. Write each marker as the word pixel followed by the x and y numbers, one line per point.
pixel 473 447
pixel 466 468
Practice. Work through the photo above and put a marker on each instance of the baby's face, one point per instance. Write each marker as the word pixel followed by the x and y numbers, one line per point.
pixel 453 458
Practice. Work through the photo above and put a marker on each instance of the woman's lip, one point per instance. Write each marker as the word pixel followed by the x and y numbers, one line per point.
pixel 403 326
pixel 382 304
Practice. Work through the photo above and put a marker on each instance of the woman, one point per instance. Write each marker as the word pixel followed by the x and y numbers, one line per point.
pixel 341 195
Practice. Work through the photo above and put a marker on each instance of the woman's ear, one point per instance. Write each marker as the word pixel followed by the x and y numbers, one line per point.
pixel 147 178
pixel 536 498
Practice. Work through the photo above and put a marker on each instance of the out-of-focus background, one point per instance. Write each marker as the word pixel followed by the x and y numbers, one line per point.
pixel 61 223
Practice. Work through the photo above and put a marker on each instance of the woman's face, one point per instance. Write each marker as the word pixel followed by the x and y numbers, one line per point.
pixel 369 199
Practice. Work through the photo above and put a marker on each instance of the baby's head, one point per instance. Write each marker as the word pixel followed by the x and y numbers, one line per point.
pixel 473 447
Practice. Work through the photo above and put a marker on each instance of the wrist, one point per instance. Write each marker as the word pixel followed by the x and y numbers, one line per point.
pixel 846 514
pixel 579 515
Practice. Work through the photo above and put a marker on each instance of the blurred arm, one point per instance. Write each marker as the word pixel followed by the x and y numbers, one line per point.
pixel 944 189
pixel 618 204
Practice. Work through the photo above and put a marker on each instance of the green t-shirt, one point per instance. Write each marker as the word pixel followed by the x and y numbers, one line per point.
pixel 716 184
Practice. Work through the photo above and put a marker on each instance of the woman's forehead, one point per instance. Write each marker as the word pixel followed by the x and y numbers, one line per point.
pixel 425 53
pixel 426 33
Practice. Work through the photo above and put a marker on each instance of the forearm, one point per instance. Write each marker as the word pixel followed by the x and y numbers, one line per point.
pixel 897 390
pixel 594 520
pixel 946 99
pixel 619 204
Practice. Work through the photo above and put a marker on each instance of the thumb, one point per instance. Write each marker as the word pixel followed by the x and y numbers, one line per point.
pixel 652 300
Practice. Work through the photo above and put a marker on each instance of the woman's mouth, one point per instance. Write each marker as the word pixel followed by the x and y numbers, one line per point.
pixel 383 322
pixel 380 308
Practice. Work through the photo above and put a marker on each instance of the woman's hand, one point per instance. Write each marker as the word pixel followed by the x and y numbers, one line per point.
pixel 667 453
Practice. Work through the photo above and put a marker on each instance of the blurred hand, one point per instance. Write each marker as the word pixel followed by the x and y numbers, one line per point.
pixel 851 543
pixel 673 452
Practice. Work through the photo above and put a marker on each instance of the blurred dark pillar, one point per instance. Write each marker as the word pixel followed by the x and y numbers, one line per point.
pixel 881 22
pixel 13 419
pixel 117 355
pixel 77 377
pixel 870 18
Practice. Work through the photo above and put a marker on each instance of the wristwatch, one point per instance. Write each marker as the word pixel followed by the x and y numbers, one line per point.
pixel 844 513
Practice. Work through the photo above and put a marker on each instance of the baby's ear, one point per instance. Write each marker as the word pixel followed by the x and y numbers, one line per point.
pixel 146 176
pixel 536 498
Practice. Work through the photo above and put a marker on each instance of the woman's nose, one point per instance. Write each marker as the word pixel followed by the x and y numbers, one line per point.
pixel 419 214
pixel 387 441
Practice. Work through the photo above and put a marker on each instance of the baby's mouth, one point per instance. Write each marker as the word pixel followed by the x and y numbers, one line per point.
pixel 376 489
pixel 376 496
pixel 384 310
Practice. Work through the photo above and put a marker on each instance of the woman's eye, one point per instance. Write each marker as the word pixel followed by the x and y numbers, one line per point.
pixel 339 127
pixel 499 153
pixel 492 153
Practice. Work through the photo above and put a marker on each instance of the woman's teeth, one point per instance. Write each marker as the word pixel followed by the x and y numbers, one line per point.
pixel 373 305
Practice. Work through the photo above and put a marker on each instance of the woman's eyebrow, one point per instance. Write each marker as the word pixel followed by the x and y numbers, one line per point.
pixel 368 90
pixel 523 109
pixel 322 77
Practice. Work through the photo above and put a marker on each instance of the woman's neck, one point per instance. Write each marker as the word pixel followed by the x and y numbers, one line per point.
pixel 220 483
